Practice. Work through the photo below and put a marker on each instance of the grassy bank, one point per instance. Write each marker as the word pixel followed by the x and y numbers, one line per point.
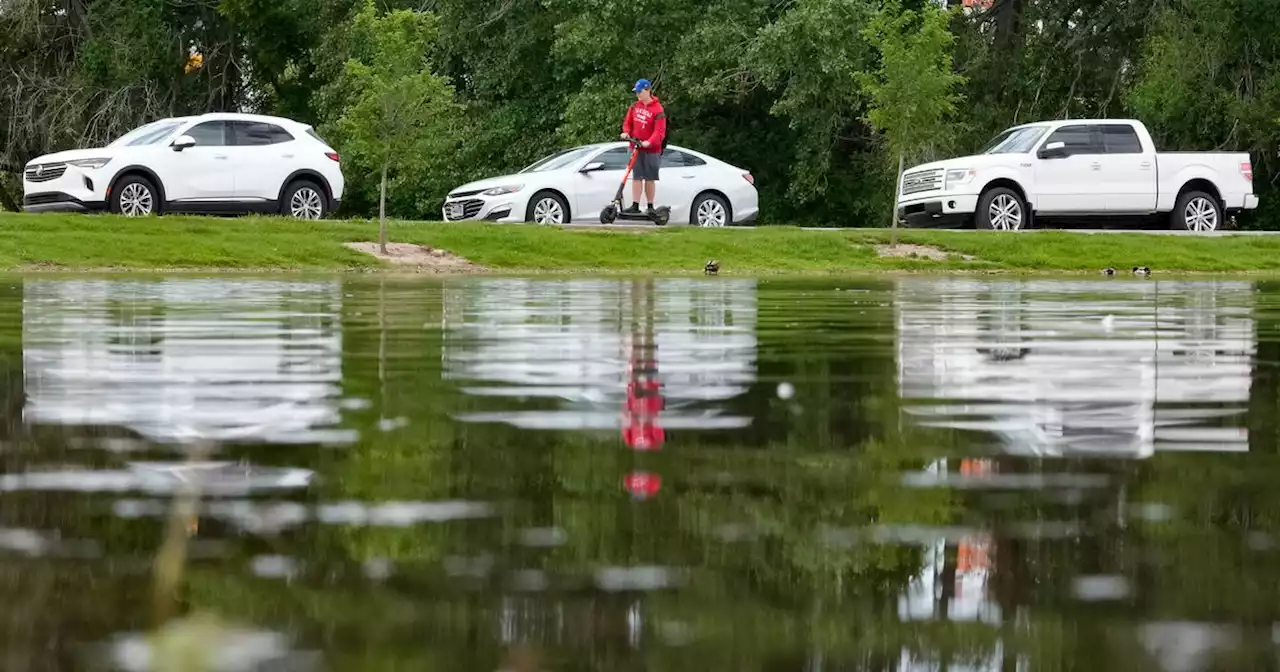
pixel 77 242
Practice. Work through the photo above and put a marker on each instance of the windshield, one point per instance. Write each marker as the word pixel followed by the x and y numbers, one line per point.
pixel 149 134
pixel 1015 140
pixel 560 160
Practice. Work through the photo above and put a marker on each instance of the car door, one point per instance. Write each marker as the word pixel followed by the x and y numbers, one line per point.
pixel 1069 184
pixel 594 189
pixel 199 173
pixel 264 155
pixel 682 177
pixel 1128 172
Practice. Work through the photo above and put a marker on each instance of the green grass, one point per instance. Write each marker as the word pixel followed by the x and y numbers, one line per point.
pixel 80 242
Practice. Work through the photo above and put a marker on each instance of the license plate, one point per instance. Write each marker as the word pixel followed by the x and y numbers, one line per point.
pixel 454 211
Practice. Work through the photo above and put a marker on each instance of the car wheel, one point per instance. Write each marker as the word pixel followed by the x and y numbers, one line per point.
pixel 135 196
pixel 710 211
pixel 1198 212
pixel 547 207
pixel 1001 209
pixel 304 200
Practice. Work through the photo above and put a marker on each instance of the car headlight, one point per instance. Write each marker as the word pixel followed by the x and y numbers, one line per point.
pixel 89 163
pixel 508 189
pixel 959 176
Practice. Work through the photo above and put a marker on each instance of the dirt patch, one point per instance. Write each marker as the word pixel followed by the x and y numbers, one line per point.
pixel 419 258
pixel 908 251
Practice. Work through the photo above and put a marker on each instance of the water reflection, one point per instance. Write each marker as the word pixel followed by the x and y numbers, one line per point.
pixel 1053 368
pixel 176 360
pixel 606 352
pixel 605 474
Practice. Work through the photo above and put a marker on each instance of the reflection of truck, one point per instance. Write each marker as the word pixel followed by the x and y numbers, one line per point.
pixel 1077 169
pixel 1170 370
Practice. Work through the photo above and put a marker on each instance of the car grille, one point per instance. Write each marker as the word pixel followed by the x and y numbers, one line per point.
pixel 921 181
pixel 46 172
pixel 461 194
pixel 470 208
pixel 45 199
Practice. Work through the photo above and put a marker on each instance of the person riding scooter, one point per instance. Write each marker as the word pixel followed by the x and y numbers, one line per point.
pixel 647 122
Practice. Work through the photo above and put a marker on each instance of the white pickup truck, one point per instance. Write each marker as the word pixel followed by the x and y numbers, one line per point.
pixel 1092 170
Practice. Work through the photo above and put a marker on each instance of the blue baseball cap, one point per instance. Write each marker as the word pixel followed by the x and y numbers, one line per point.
pixel 641 86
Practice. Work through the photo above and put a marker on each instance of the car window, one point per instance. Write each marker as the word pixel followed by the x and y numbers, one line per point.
pixel 559 160
pixel 674 158
pixel 255 133
pixel 149 134
pixel 1014 141
pixel 209 134
pixel 615 159
pixel 1120 139
pixel 1078 139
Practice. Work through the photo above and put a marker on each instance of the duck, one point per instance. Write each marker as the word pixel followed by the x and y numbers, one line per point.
pixel 1108 271
pixel 712 267
pixel 1141 271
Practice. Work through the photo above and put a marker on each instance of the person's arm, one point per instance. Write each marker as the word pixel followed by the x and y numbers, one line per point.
pixel 659 129
pixel 626 124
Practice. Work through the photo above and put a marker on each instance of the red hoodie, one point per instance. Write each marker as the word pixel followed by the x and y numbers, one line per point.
pixel 647 122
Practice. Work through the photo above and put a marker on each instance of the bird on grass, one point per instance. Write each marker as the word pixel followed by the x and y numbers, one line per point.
pixel 1141 271
pixel 712 267
pixel 1108 271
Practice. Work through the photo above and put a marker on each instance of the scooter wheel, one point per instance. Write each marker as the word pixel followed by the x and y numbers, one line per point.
pixel 609 214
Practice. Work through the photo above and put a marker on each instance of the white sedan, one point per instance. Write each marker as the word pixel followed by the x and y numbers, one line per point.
pixel 576 184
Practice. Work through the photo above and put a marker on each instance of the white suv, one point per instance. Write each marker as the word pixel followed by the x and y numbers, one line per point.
pixel 214 163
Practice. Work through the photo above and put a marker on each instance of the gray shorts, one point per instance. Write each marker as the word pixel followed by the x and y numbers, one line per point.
pixel 646 167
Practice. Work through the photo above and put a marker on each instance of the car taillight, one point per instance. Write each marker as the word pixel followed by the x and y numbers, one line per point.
pixel 748 177
pixel 333 156
pixel 1246 169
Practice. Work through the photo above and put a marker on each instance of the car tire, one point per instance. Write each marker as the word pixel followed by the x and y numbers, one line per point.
pixel 547 207
pixel 710 211
pixel 304 200
pixel 135 196
pixel 1001 209
pixel 1197 212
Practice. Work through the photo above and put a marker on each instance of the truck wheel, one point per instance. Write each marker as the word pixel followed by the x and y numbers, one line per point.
pixel 1000 209
pixel 1198 212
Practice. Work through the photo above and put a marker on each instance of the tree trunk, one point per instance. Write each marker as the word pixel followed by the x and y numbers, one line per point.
pixel 897 189
pixel 382 212
pixel 7 202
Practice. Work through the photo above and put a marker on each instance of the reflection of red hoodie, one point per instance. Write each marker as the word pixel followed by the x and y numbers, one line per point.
pixel 643 433
pixel 647 122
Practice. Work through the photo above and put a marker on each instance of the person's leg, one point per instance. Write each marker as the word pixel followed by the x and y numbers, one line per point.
pixel 650 191
pixel 636 186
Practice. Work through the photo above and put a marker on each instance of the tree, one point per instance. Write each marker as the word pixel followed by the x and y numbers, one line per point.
pixel 914 91
pixel 389 106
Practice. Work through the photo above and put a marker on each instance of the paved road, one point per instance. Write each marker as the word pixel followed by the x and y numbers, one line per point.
pixel 1152 232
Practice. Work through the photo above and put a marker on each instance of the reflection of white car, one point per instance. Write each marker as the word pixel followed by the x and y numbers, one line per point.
pixel 225 163
pixel 576 184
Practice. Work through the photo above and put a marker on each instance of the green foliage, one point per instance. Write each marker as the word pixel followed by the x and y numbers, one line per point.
pixel 391 113
pixel 914 91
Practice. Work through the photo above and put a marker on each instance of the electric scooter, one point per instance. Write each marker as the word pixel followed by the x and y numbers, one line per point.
pixel 661 214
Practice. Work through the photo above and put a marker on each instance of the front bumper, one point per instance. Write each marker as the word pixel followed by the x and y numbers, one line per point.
pixel 482 208
pixel 60 202
pixel 938 211
pixel 73 189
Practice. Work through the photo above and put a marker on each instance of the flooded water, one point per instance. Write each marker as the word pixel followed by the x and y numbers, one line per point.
pixel 611 474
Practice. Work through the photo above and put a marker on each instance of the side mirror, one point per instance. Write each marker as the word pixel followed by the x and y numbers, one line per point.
pixel 592 167
pixel 183 142
pixel 1053 150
